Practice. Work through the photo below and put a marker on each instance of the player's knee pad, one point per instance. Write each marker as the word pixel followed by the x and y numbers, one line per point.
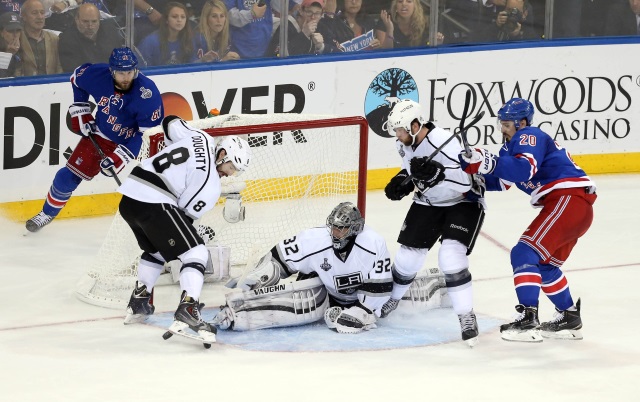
pixel 523 255
pixel 409 260
pixel 199 254
pixel 66 181
pixel 452 257
pixel 152 260
pixel 458 279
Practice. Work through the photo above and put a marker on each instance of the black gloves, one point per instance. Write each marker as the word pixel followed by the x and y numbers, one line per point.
pixel 395 190
pixel 426 173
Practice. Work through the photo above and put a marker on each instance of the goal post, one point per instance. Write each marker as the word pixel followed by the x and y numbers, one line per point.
pixel 301 167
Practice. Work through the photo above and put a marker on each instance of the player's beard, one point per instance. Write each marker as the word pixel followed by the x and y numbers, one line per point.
pixel 125 86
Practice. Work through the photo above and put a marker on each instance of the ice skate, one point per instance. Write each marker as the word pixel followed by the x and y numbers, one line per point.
pixel 564 325
pixel 388 307
pixel 188 316
pixel 140 305
pixel 525 326
pixel 38 222
pixel 469 328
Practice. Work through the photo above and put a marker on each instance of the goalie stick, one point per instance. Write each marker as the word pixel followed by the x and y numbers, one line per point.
pixel 103 156
pixel 435 152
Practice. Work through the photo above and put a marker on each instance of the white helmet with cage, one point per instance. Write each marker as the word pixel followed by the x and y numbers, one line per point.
pixel 238 152
pixel 403 114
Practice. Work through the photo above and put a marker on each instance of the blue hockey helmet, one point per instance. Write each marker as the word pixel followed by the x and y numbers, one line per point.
pixel 515 110
pixel 122 59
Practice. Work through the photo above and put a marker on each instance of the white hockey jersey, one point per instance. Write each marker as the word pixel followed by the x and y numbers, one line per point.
pixel 451 190
pixel 363 273
pixel 183 174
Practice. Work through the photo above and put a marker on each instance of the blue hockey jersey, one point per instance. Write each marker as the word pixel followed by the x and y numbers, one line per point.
pixel 121 117
pixel 537 165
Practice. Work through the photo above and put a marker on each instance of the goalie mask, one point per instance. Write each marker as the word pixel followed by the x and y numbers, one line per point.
pixel 344 223
pixel 238 153
pixel 403 114
pixel 515 110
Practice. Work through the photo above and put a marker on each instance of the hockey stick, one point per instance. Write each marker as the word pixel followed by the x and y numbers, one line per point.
pixel 435 152
pixel 103 156
pixel 462 130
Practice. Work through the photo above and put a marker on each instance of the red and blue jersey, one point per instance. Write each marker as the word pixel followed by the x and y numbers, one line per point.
pixel 121 116
pixel 537 165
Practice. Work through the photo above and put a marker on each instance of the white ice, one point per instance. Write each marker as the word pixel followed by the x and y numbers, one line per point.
pixel 55 348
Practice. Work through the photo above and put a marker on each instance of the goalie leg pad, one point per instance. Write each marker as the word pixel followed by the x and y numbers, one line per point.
pixel 281 305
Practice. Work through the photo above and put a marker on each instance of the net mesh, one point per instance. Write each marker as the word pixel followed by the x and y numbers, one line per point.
pixel 295 178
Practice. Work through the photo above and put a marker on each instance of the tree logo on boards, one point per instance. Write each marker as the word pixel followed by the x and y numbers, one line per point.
pixel 386 89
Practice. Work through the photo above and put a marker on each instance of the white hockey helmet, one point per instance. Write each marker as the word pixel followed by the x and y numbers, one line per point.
pixel 345 215
pixel 402 115
pixel 238 152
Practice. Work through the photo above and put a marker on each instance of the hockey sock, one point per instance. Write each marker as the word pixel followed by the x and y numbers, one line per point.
pixel 556 287
pixel 526 274
pixel 191 281
pixel 149 269
pixel 408 262
pixel 451 257
pixel 63 186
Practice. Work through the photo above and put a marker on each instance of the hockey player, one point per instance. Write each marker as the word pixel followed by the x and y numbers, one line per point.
pixel 127 104
pixel 161 199
pixel 540 167
pixel 350 267
pixel 447 205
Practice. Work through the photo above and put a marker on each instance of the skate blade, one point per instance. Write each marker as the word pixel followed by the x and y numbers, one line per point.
pixel 472 342
pixel 532 336
pixel 565 334
pixel 180 328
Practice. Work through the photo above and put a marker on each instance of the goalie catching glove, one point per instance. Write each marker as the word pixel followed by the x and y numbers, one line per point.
pixel 481 161
pixel 116 160
pixel 426 173
pixel 350 321
pixel 395 190
pixel 82 122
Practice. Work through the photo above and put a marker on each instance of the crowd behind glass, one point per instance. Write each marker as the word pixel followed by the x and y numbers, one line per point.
pixel 40 37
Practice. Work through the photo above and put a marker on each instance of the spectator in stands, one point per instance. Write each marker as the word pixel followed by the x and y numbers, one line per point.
pixel 406 25
pixel 349 22
pixel 10 30
pixel 89 41
pixel 251 26
pixel 302 37
pixel 38 48
pixel 512 23
pixel 10 6
pixel 276 9
pixel 147 16
pixel 465 21
pixel 214 27
pixel 623 19
pixel 174 42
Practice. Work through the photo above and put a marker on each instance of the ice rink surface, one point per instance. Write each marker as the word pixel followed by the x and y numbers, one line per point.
pixel 54 347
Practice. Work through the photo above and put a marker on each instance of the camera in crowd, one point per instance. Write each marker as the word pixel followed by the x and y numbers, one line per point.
pixel 514 17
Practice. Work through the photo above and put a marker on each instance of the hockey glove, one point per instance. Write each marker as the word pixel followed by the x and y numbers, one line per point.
pixel 116 160
pixel 355 319
pixel 426 173
pixel 395 190
pixel 82 121
pixel 481 161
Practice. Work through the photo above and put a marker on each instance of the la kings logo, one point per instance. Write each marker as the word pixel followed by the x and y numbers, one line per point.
pixel 349 283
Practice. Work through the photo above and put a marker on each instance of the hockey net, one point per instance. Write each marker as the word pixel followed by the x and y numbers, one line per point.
pixel 302 166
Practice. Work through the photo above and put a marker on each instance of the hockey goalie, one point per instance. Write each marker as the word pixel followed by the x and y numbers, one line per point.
pixel 344 277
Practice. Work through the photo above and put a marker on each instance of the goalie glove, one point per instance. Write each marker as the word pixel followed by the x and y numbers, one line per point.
pixel 426 174
pixel 481 161
pixel 117 160
pixel 395 190
pixel 355 319
pixel 233 210
pixel 82 122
